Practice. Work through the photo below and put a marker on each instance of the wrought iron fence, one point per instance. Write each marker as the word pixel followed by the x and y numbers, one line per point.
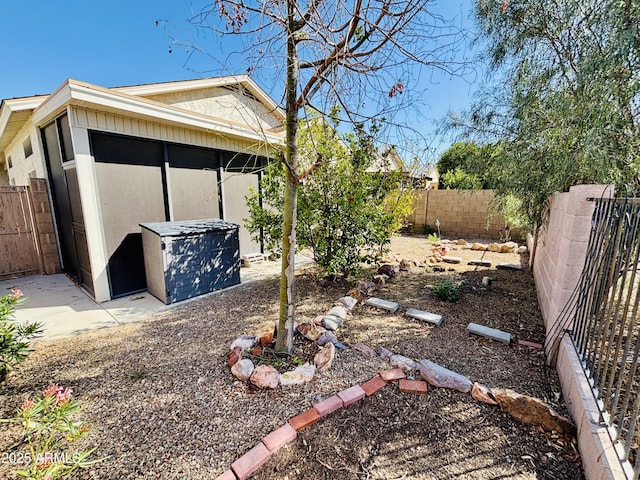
pixel 606 329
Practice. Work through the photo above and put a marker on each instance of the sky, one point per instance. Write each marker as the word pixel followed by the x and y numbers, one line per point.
pixel 117 42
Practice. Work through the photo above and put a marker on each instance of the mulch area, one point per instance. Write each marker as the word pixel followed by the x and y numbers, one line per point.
pixel 163 404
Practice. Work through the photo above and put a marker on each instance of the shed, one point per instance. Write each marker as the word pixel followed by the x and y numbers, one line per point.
pixel 190 258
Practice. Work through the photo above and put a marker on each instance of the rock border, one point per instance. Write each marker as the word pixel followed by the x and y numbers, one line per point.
pixel 527 409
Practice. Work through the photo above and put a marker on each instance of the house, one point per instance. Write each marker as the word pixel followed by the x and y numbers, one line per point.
pixel 387 160
pixel 118 157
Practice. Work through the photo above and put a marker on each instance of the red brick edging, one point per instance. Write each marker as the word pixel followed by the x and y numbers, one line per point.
pixel 251 461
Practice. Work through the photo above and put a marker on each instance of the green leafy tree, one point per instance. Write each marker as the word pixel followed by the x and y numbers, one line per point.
pixel 460 180
pixel 564 97
pixel 345 214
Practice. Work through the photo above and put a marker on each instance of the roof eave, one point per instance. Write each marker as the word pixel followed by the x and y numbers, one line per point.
pixel 83 94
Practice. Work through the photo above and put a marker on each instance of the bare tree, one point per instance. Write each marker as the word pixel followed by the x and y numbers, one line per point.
pixel 369 58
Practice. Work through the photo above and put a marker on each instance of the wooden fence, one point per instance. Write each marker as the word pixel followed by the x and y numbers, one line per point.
pixel 27 239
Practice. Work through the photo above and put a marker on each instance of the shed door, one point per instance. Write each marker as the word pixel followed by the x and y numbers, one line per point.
pixel 235 188
pixel 66 202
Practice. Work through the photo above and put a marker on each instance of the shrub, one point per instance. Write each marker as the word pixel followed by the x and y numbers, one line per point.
pixel 428 229
pixel 447 290
pixel 14 338
pixel 433 238
pixel 52 435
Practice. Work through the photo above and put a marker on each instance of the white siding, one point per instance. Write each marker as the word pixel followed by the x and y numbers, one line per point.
pixel 109 122
pixel 225 103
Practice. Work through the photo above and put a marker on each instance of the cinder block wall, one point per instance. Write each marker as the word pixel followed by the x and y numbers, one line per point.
pixel 561 247
pixel 43 220
pixel 462 213
pixel 558 259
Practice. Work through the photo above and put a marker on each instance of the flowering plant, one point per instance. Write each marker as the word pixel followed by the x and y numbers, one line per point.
pixel 52 434
pixel 14 338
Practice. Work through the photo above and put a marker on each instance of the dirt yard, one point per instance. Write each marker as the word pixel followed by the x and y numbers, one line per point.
pixel 163 404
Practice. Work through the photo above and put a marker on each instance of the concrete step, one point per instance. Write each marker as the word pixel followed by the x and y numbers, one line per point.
pixel 480 263
pixel 382 304
pixel 424 316
pixel 488 332
pixel 509 266
pixel 450 259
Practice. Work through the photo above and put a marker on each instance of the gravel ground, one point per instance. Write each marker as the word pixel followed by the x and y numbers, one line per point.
pixel 162 403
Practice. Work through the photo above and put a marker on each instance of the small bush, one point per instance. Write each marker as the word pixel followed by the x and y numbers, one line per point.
pixel 52 433
pixel 14 338
pixel 433 238
pixel 428 229
pixel 447 290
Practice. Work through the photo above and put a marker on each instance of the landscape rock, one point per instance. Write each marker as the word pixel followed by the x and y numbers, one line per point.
pixel 338 311
pixel 348 302
pixel 418 263
pixel 439 376
pixel 532 411
pixel 318 320
pixel 331 322
pixel 366 286
pixel 482 394
pixel 265 376
pixel 256 351
pixel 460 241
pixel 481 247
pixel 242 369
pixel 235 354
pixel 298 376
pixel 389 270
pixel 361 347
pixel 403 362
pixel 326 337
pixel 522 249
pixel 244 341
pixel 266 338
pixel 356 294
pixel 383 352
pixel 380 280
pixel 310 330
pixel 324 358
pixel 494 247
pixel 405 265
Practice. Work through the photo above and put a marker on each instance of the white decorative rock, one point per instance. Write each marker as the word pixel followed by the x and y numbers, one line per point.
pixel 242 369
pixel 338 311
pixel 245 342
pixel 298 376
pixel 348 302
pixel 383 304
pixel 424 316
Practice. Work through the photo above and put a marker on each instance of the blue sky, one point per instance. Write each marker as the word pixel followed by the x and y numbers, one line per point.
pixel 115 42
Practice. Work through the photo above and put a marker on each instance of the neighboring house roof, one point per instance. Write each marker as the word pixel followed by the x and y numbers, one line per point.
pixel 142 101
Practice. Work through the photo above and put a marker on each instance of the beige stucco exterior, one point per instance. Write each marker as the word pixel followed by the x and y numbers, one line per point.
pixel 117 197
pixel 18 174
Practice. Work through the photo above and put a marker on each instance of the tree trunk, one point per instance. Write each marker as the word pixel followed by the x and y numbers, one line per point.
pixel 284 338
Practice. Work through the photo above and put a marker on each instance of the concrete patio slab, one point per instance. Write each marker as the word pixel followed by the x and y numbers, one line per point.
pixel 65 310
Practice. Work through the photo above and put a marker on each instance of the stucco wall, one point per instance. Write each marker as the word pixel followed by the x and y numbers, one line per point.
pixel 462 213
pixel 19 173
